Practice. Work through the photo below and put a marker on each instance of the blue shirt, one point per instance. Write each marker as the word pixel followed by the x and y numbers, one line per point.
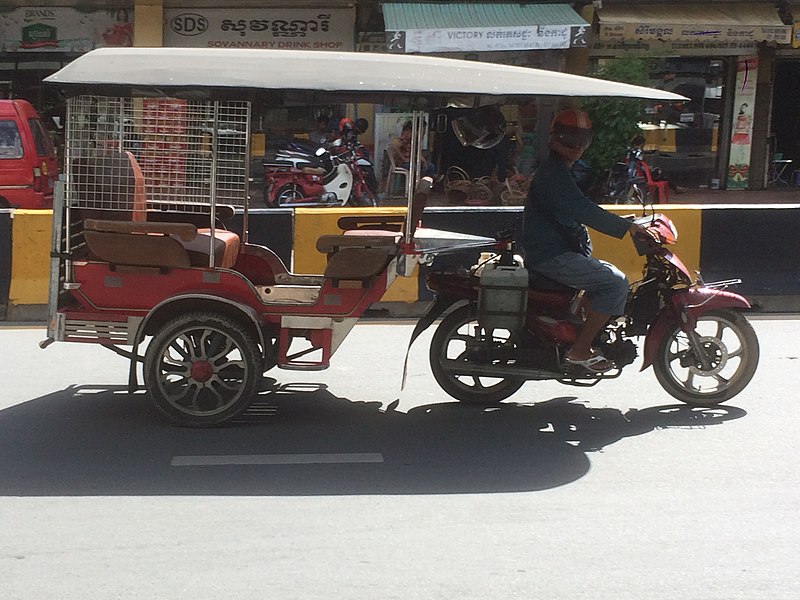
pixel 554 190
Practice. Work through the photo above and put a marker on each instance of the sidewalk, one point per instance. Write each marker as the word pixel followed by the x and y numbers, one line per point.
pixel 773 195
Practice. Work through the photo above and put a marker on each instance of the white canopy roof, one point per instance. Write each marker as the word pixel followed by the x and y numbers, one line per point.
pixel 356 72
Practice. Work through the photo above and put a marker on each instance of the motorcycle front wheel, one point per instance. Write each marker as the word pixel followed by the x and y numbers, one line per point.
pixel 363 196
pixel 724 364
pixel 458 344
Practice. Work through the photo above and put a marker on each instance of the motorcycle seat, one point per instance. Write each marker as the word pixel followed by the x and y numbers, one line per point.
pixel 313 170
pixel 537 281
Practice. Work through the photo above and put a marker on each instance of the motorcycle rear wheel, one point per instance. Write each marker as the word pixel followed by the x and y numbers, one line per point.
pixel 288 193
pixel 455 339
pixel 731 351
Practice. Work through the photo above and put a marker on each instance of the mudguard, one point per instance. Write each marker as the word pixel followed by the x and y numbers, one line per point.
pixel 435 310
pixel 683 309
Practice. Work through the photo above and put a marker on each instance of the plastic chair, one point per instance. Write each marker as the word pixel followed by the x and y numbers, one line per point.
pixel 660 187
pixel 392 177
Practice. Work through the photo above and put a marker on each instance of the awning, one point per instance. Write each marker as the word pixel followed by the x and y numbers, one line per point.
pixel 481 27
pixel 715 22
pixel 310 71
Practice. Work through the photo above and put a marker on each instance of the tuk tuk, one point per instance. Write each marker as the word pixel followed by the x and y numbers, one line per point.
pixel 156 160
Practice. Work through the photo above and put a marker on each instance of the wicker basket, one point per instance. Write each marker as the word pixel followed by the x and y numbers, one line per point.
pixel 516 190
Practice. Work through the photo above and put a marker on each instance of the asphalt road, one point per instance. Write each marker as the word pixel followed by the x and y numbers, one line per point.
pixel 339 485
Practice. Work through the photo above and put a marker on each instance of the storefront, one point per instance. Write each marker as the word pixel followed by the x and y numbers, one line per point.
pixel 530 35
pixel 720 56
pixel 785 125
pixel 36 41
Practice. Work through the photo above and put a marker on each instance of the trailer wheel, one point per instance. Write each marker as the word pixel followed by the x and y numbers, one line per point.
pixel 201 369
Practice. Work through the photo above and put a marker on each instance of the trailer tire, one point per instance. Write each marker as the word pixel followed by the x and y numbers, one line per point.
pixel 201 368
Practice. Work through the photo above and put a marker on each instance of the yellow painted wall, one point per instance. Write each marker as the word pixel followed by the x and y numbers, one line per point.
pixel 30 257
pixel 622 253
pixel 148 24
pixel 310 223
pixel 31 248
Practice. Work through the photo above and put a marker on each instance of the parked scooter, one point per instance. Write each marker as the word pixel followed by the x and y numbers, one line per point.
pixel 332 176
pixel 629 180
pixel 356 156
pixel 297 178
pixel 503 332
pixel 626 180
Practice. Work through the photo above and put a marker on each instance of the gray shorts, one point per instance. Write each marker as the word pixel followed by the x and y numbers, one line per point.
pixel 605 285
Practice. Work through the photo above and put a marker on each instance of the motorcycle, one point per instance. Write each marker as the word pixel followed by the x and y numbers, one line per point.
pixel 298 177
pixel 356 157
pixel 325 176
pixel 633 181
pixel 504 332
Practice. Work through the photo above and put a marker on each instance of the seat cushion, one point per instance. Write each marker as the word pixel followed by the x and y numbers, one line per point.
pixel 226 248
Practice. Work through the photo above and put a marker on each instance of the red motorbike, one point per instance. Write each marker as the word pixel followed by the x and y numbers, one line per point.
pixel 355 156
pixel 303 177
pixel 505 332
pixel 329 176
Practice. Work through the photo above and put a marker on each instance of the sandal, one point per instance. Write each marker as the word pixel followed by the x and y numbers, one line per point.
pixel 597 363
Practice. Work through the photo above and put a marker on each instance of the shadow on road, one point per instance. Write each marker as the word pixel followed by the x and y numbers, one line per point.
pixel 102 441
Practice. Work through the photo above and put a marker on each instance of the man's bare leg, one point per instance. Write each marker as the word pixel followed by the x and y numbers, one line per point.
pixel 582 349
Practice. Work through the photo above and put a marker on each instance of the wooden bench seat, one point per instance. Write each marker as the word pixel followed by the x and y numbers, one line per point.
pixel 357 257
pixel 163 245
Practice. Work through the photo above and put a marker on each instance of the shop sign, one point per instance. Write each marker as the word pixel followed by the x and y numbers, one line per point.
pixel 796 35
pixel 684 48
pixel 289 28
pixel 742 134
pixel 701 32
pixel 485 39
pixel 63 29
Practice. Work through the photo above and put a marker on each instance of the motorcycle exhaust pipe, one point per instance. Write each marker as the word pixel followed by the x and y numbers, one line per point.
pixel 456 367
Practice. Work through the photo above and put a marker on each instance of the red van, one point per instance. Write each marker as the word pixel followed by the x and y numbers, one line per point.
pixel 28 164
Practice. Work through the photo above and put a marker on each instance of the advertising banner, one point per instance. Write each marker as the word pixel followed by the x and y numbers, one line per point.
pixel 659 31
pixel 288 28
pixel 63 29
pixel 742 134
pixel 487 39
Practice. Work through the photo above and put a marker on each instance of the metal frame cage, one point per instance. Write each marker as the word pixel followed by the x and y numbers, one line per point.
pixel 183 155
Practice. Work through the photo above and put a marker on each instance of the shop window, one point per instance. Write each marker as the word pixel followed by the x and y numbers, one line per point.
pixel 682 138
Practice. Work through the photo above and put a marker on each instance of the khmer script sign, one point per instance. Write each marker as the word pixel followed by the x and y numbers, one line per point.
pixel 289 28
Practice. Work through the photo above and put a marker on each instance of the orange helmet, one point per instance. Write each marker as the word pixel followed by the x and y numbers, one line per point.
pixel 572 128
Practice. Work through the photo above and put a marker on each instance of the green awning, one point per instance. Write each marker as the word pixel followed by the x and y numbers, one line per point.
pixel 480 27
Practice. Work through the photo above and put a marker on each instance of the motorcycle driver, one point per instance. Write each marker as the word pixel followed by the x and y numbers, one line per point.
pixel 556 243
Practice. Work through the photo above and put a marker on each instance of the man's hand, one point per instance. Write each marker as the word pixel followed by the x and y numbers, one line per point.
pixel 636 229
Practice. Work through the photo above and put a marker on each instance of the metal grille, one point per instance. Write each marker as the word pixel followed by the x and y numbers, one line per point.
pixel 186 151
pixel 103 331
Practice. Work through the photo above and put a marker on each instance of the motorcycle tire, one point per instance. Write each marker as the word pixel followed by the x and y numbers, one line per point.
pixel 286 194
pixel 731 351
pixel 368 199
pixel 459 329
pixel 632 196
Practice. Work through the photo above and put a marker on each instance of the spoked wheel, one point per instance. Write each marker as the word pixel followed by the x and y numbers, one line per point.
pixel 201 369
pixel 724 364
pixel 368 199
pixel 287 194
pixel 634 195
pixel 362 196
pixel 459 345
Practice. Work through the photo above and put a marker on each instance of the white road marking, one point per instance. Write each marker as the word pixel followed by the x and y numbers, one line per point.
pixel 275 459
